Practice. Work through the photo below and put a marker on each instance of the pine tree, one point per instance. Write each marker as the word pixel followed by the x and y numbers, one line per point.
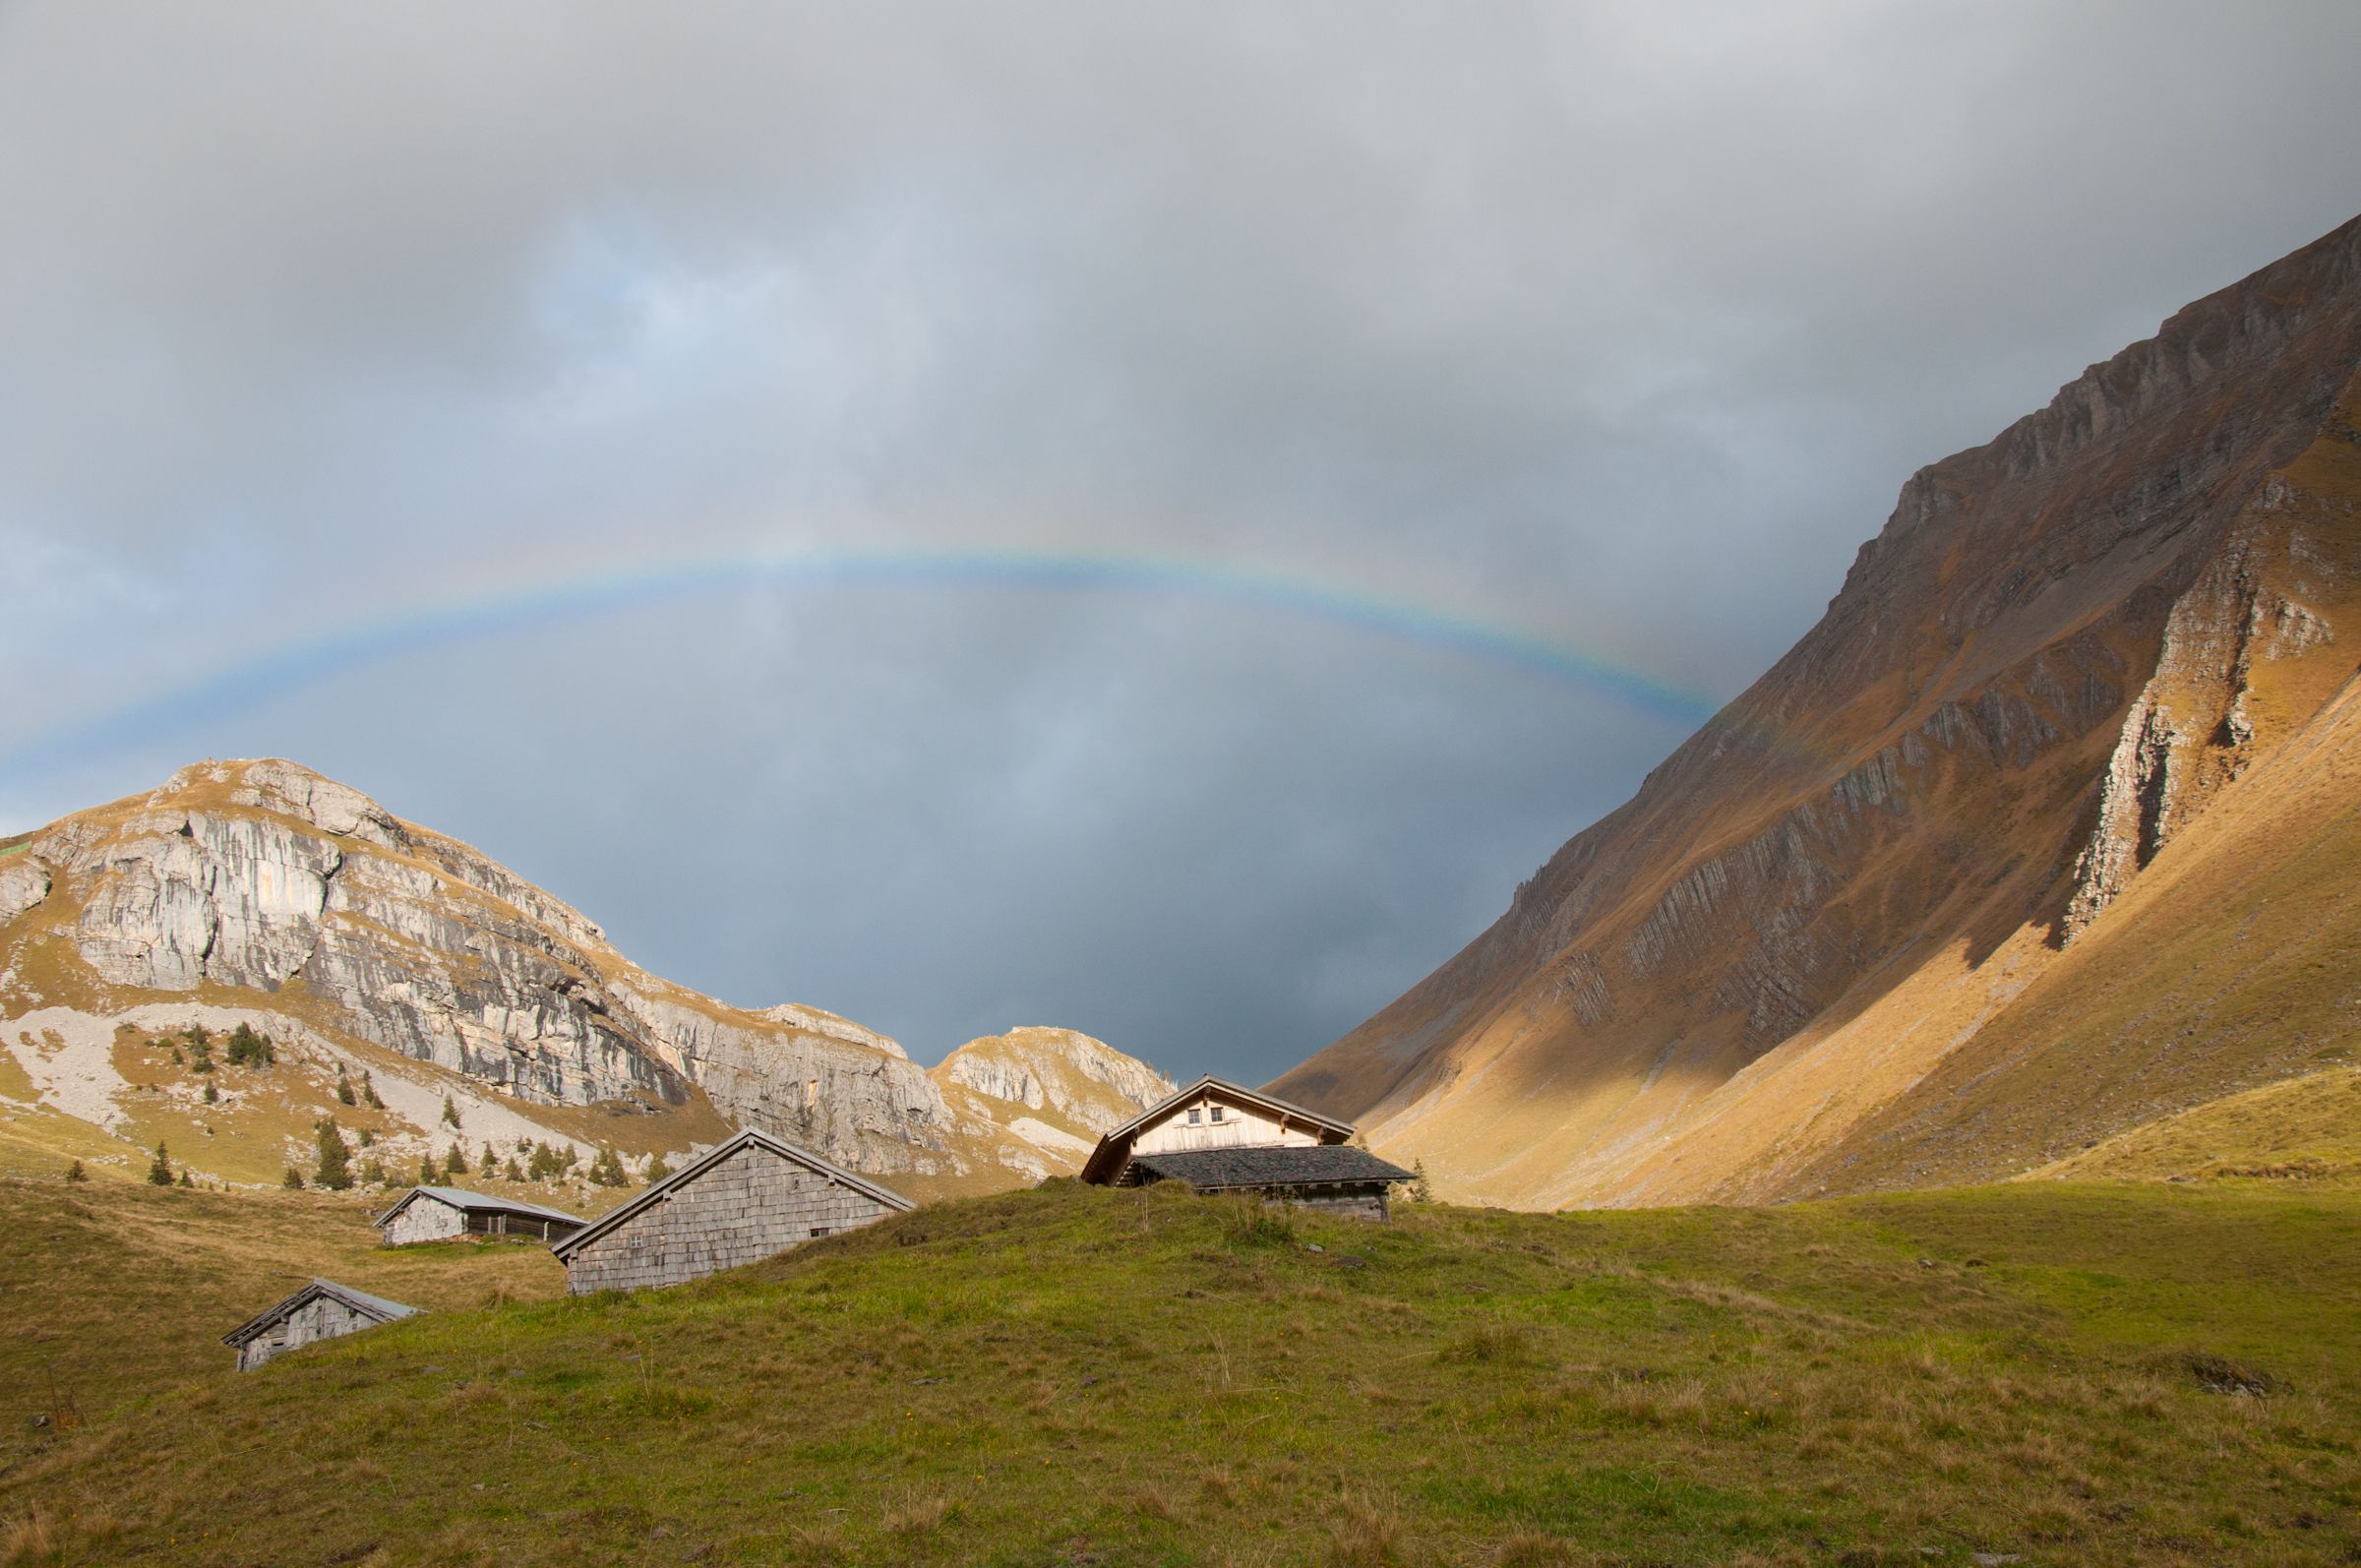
pixel 212 1096
pixel 74 1172
pixel 456 1165
pixel 373 1172
pixel 513 1171
pixel 1421 1189
pixel 250 1050
pixel 368 1137
pixel 159 1173
pixel 292 1180
pixel 607 1169
pixel 486 1162
pixel 201 1051
pixel 336 1167
pixel 368 1093
pixel 184 1178
pixel 344 1094
pixel 451 1113
pixel 657 1170
pixel 428 1175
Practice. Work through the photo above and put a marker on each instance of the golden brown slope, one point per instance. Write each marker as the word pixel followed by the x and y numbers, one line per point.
pixel 2061 647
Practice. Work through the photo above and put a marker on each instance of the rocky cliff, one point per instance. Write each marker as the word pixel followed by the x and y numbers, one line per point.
pixel 2062 648
pixel 264 885
pixel 1041 1097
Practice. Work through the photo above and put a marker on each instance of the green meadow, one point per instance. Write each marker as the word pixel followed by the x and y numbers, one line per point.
pixel 2044 1372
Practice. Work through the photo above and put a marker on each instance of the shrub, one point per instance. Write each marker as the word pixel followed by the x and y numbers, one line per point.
pixel 159 1170
pixel 248 1049
pixel 74 1172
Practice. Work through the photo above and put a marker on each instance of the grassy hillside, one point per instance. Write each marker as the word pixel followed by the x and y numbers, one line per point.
pixel 2073 1374
pixel 2306 1129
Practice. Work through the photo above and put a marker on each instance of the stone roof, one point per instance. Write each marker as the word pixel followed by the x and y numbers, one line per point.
pixel 361 1302
pixel 566 1247
pixel 1271 1166
pixel 477 1203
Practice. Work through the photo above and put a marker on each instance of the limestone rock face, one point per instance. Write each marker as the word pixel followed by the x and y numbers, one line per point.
pixel 265 876
pixel 2060 648
pixel 1085 1081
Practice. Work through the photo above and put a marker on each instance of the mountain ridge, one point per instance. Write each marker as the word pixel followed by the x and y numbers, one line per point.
pixel 2060 646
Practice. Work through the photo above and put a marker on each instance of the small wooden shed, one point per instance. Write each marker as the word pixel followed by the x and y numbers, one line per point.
pixel 1218 1137
pixel 750 1197
pixel 442 1214
pixel 321 1310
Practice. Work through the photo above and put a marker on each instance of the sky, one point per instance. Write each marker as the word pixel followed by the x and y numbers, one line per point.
pixel 1150 518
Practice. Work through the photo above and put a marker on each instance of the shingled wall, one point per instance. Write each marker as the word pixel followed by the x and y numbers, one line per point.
pixel 739 1209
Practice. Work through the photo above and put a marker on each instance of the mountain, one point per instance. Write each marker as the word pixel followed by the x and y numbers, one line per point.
pixel 2045 831
pixel 263 892
pixel 1036 1100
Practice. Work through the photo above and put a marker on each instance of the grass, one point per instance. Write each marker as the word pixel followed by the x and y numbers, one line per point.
pixel 1072 1376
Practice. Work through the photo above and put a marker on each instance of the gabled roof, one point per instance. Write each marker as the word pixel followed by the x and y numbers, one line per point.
pixel 750 1138
pixel 476 1203
pixel 1268 1165
pixel 1106 1160
pixel 374 1307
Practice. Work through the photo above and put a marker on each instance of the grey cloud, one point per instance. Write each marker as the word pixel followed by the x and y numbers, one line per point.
pixel 1623 324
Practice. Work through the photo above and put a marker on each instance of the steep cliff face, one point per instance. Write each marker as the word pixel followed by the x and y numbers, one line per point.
pixel 262 883
pixel 2060 650
pixel 1039 1097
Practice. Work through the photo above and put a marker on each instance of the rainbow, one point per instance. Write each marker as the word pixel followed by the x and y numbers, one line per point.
pixel 440 622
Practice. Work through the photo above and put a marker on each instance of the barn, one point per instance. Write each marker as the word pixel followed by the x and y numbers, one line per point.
pixel 1218 1137
pixel 321 1310
pixel 752 1196
pixel 442 1214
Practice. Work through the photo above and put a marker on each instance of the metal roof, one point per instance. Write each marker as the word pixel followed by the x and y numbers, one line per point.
pixel 1272 1166
pixel 476 1203
pixel 361 1302
pixel 1104 1163
pixel 750 1138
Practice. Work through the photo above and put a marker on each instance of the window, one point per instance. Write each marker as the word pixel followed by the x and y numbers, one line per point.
pixel 1195 1116
pixel 1216 1112
pixel 818 1231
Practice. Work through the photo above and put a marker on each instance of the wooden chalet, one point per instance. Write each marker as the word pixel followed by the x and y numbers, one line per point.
pixel 444 1214
pixel 1216 1136
pixel 321 1310
pixel 750 1197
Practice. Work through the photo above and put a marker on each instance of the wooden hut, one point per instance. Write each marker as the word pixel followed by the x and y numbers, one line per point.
pixel 442 1214
pixel 1217 1136
pixel 750 1197
pixel 321 1310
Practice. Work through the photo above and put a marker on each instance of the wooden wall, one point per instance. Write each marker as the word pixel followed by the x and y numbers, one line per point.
pixel 747 1207
pixel 321 1318
pixel 1237 1127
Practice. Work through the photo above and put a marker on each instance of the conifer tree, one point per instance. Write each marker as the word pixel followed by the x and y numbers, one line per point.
pixel 344 1094
pixel 184 1178
pixel 607 1169
pixel 212 1096
pixel 512 1171
pixel 373 1172
pixel 367 1137
pixel 160 1172
pixel 292 1180
pixel 74 1172
pixel 336 1168
pixel 1421 1189
pixel 486 1162
pixel 657 1170
pixel 428 1175
pixel 456 1165
pixel 368 1093
pixel 451 1113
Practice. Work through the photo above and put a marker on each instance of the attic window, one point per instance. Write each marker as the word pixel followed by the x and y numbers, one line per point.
pixel 1216 1112
pixel 1195 1116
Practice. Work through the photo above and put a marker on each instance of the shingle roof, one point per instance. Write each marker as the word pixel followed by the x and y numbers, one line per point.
pixel 361 1302
pixel 566 1248
pixel 477 1203
pixel 1271 1166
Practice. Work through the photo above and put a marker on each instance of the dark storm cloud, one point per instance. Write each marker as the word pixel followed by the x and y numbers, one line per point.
pixel 1621 323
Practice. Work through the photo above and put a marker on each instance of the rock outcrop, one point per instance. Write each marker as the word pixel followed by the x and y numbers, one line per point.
pixel 265 878
pixel 2059 650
